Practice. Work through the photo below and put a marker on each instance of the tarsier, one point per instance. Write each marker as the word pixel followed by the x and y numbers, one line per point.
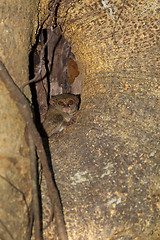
pixel 61 112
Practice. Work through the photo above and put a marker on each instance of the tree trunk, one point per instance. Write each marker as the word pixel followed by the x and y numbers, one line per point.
pixel 107 164
pixel 20 21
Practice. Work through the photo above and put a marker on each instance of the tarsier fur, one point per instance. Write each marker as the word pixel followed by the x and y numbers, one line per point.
pixel 61 111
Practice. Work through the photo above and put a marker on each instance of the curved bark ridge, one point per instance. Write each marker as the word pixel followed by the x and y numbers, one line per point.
pixel 106 165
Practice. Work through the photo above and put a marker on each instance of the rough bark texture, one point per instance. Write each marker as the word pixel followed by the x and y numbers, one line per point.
pixel 19 24
pixel 107 164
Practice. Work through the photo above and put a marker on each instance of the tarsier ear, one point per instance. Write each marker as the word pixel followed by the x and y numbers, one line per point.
pixel 53 100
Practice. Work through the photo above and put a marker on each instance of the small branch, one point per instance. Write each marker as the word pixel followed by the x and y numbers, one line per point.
pixel 34 179
pixel 25 110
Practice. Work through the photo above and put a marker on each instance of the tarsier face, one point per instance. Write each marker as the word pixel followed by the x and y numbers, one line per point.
pixel 67 103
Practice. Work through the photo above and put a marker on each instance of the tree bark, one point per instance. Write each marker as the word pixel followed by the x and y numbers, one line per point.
pixel 107 164
pixel 20 22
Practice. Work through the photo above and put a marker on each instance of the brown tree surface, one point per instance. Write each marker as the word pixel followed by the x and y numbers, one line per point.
pixel 20 21
pixel 107 164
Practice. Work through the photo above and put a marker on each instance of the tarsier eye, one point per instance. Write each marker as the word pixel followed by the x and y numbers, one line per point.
pixel 60 103
pixel 70 102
